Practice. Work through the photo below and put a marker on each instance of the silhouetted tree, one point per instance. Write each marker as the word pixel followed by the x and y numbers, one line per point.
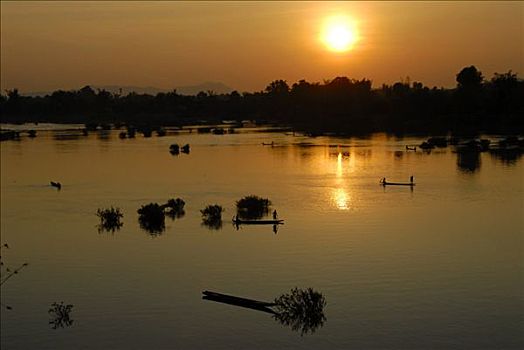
pixel 341 105
pixel 469 78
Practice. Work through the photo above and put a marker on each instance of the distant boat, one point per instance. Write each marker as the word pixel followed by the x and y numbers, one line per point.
pixel 397 183
pixel 258 222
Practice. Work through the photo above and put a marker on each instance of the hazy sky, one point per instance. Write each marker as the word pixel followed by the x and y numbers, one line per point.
pixel 52 45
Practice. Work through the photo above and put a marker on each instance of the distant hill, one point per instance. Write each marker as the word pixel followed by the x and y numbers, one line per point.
pixel 216 87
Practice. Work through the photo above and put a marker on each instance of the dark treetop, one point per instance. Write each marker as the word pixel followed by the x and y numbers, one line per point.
pixel 339 105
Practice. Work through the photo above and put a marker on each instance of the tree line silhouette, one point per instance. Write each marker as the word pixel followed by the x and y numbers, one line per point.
pixel 341 105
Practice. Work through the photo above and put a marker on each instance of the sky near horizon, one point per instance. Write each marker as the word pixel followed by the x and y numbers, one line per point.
pixel 65 45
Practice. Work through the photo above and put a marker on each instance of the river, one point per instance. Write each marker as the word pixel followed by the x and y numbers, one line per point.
pixel 436 266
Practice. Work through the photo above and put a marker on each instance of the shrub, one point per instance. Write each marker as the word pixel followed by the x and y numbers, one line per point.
pixel 152 218
pixel 253 207
pixel 212 216
pixel 212 212
pixel 109 219
pixel 60 314
pixel 174 208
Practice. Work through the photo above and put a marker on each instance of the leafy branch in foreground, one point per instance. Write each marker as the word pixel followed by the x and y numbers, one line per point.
pixel 6 272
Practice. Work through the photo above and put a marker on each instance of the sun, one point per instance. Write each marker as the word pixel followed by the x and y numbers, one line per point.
pixel 339 34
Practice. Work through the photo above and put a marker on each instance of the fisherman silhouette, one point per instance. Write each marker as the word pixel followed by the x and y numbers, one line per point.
pixel 275 215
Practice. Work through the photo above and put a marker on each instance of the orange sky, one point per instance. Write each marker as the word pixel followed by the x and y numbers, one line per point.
pixel 52 45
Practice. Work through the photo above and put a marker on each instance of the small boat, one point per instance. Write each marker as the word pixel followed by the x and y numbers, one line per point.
pixel 232 298
pixel 397 183
pixel 243 302
pixel 258 222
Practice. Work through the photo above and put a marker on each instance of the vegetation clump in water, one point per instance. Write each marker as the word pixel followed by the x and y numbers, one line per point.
pixel 174 208
pixel 152 218
pixel 253 207
pixel 60 314
pixel 212 216
pixel 110 219
pixel 301 309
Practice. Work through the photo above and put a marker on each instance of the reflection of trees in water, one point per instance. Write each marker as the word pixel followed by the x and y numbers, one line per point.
pixel 104 135
pixel 468 161
pixel 60 315
pixel 506 156
pixel 212 224
pixel 300 309
pixel 175 214
pixel 68 135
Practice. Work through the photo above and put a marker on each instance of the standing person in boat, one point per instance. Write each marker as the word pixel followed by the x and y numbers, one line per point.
pixel 411 179
pixel 275 215
pixel 383 181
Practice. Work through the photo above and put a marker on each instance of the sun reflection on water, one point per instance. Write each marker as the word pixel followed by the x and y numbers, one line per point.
pixel 341 199
pixel 339 195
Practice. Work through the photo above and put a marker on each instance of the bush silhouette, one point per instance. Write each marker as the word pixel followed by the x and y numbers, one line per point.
pixel 253 207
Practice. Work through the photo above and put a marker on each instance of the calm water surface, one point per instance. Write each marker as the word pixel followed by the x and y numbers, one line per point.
pixel 438 267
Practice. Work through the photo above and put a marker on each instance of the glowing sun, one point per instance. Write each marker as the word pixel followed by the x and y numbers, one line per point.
pixel 339 34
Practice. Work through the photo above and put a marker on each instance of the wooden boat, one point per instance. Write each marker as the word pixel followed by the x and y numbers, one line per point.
pixel 258 222
pixel 397 183
pixel 243 302
pixel 224 297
